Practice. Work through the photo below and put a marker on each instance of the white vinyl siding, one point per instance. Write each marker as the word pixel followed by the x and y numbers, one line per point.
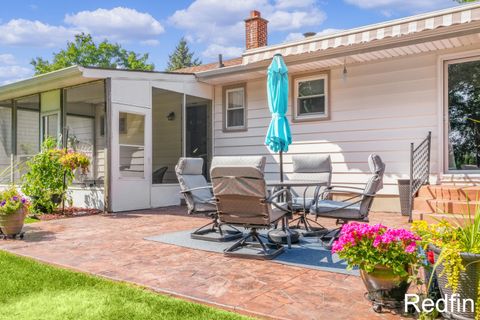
pixel 381 107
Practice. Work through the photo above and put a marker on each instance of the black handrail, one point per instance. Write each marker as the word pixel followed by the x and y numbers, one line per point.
pixel 419 169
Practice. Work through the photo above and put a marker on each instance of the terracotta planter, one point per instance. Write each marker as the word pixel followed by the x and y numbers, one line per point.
pixel 384 287
pixel 12 224
pixel 467 286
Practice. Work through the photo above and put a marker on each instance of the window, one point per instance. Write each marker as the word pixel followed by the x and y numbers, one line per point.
pixel 234 108
pixel 132 146
pixel 463 110
pixel 311 98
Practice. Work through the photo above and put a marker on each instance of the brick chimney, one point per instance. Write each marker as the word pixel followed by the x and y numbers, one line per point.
pixel 256 33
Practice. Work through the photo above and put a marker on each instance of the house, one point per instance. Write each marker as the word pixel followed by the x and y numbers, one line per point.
pixel 372 89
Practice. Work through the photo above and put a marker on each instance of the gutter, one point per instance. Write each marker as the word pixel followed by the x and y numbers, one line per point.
pixel 40 79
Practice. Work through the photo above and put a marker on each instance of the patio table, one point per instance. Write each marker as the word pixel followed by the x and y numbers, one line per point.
pixel 310 231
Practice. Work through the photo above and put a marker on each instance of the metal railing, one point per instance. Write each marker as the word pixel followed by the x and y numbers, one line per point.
pixel 419 169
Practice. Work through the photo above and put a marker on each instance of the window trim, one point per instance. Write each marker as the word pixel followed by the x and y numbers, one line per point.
pixel 323 75
pixel 225 91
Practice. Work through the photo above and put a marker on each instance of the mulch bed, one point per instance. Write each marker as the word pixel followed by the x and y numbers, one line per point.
pixel 70 212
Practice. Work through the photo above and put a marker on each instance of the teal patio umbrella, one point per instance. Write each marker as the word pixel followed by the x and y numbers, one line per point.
pixel 278 135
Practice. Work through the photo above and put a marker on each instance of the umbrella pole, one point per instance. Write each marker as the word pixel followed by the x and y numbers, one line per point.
pixel 281 166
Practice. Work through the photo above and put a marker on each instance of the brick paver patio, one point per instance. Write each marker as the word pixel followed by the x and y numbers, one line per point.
pixel 112 246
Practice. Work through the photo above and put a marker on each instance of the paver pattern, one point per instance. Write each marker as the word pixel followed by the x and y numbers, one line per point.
pixel 113 246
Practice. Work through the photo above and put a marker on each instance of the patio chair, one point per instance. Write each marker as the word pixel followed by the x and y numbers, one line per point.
pixel 199 198
pixel 243 200
pixel 356 207
pixel 317 168
pixel 158 175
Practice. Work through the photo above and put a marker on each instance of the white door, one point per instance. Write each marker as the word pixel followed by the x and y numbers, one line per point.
pixel 131 158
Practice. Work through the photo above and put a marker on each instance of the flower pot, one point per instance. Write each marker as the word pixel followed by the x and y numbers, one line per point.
pixel 57 198
pixel 467 285
pixel 384 286
pixel 12 224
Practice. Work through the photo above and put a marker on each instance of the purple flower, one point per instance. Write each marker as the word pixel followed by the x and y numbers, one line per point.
pixel 2 203
pixel 23 200
pixel 15 198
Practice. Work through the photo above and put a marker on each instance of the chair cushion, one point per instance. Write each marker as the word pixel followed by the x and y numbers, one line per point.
pixel 298 203
pixel 196 181
pixel 325 209
pixel 311 163
pixel 189 166
pixel 276 214
pixel 256 161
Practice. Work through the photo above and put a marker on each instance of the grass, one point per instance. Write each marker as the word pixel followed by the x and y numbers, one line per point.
pixel 29 220
pixel 32 290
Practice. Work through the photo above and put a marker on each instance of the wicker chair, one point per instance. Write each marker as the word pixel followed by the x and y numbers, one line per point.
pixel 199 198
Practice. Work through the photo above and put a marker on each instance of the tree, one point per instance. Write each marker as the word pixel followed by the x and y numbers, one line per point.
pixel 463 1
pixel 85 52
pixel 182 57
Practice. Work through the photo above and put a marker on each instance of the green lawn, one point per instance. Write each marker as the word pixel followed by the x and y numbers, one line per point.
pixel 32 290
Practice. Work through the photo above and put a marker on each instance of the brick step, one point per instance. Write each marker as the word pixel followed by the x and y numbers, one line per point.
pixel 445 206
pixel 444 192
pixel 454 219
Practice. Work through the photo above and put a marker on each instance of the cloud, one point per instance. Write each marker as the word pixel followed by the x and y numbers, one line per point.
pixel 388 7
pixel 9 74
pixel 298 35
pixel 7 59
pixel 21 32
pixel 117 24
pixel 213 50
pixel 285 4
pixel 285 20
pixel 221 23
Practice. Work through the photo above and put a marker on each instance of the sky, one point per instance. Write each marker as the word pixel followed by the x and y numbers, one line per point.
pixel 35 28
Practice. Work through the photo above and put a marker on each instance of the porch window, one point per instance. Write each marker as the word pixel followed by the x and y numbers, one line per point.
pixel 311 97
pixel 85 117
pixel 50 112
pixel 5 140
pixel 28 127
pixel 234 108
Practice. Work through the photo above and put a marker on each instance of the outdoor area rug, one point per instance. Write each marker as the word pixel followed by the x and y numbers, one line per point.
pixel 308 253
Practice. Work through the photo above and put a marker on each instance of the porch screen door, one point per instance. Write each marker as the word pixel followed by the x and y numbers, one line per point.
pixel 131 164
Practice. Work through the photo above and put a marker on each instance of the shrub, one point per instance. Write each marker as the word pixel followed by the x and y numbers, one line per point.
pixel 50 173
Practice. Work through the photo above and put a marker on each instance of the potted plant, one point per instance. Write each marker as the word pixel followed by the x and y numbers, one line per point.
pixel 387 258
pixel 50 173
pixel 454 247
pixel 13 209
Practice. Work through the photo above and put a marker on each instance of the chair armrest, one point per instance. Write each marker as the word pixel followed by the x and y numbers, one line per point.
pixel 274 195
pixel 194 189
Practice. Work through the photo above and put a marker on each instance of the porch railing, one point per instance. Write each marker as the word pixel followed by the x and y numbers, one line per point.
pixel 419 169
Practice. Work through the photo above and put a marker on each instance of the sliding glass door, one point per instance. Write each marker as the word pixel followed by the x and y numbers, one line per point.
pixel 463 114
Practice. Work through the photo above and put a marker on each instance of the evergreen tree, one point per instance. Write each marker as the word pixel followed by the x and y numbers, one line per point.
pixel 182 57
pixel 84 51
